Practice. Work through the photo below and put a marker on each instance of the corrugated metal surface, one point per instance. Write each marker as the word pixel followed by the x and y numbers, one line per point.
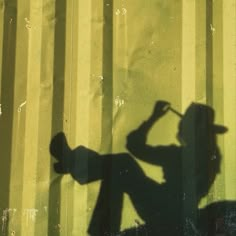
pixel 94 70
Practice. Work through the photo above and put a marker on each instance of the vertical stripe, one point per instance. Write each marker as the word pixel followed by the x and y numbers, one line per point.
pixel 188 95
pixel 44 164
pixel 82 105
pixel 200 51
pixel 120 97
pixel 32 118
pixel 19 114
pixel 96 97
pixel 8 59
pixel 107 112
pixel 2 14
pixel 67 190
pixel 216 91
pixel 54 225
pixel 108 76
pixel 209 51
pixel 229 86
pixel 188 52
pixel 101 218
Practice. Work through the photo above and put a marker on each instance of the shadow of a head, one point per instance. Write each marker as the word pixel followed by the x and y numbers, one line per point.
pixel 198 133
pixel 197 124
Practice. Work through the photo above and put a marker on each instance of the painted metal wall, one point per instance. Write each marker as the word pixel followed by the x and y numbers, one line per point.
pixel 94 70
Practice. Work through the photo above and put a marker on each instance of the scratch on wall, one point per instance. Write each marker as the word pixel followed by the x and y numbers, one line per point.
pixel 122 11
pixel 21 105
pixel 6 214
pixel 27 25
pixel 119 101
pixel 30 215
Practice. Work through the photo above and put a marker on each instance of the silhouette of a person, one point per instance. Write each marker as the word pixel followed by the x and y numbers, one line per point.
pixel 196 133
pixel 197 136
pixel 159 205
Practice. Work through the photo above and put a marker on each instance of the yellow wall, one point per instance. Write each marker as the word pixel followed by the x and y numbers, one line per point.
pixel 94 70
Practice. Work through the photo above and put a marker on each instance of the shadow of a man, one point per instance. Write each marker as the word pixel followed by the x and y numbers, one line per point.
pixel 160 206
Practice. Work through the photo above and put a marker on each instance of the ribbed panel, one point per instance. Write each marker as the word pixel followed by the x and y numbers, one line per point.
pixel 94 69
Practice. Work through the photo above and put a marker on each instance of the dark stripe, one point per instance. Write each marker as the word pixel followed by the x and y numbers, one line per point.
pixel 101 221
pixel 209 52
pixel 107 109
pixel 57 109
pixel 7 100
